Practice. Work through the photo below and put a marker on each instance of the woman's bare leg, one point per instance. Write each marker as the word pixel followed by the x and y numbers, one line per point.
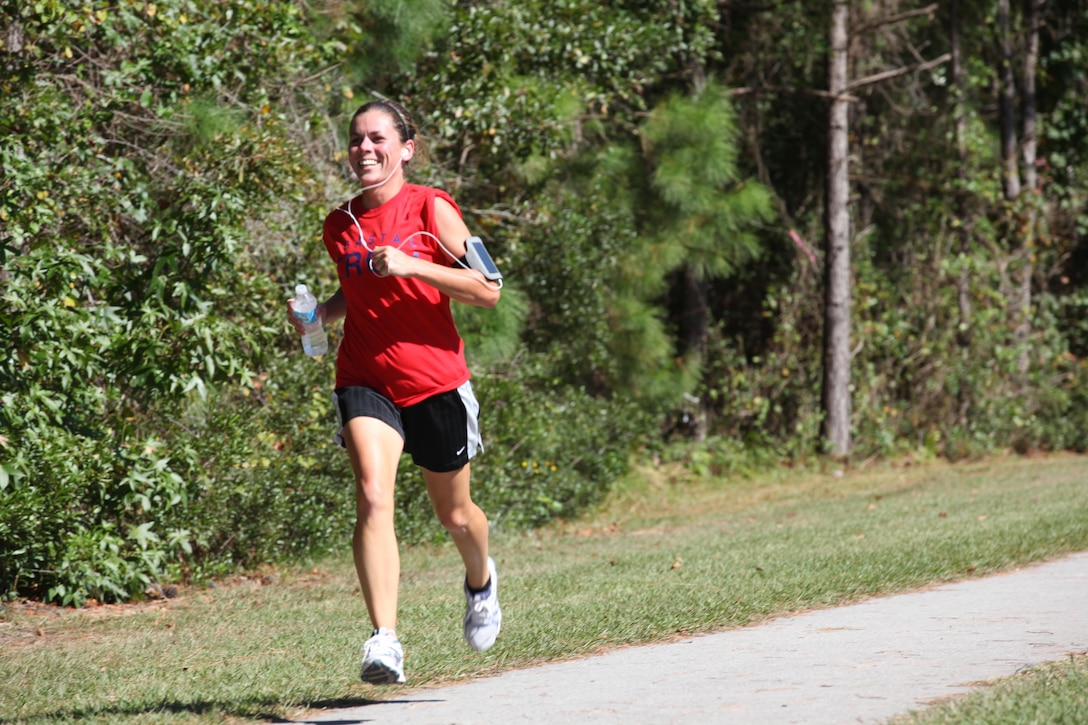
pixel 374 449
pixel 464 520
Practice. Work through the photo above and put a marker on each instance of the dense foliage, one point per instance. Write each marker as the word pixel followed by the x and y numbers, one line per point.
pixel 649 175
pixel 148 185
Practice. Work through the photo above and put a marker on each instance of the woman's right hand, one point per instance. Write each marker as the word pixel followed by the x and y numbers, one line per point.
pixel 327 312
pixel 293 319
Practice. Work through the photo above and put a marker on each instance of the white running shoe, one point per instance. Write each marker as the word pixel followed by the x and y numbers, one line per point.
pixel 483 618
pixel 383 659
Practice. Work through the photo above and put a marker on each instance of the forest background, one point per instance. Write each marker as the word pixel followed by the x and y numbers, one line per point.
pixel 662 185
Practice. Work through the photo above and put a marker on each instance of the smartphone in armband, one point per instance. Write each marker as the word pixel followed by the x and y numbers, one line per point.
pixel 480 260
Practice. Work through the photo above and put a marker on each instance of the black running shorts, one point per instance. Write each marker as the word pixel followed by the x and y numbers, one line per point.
pixel 442 433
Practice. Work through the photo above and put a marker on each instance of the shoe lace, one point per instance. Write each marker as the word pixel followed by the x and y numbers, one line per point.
pixel 482 608
pixel 381 647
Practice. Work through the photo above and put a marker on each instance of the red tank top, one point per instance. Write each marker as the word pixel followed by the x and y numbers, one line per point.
pixel 399 334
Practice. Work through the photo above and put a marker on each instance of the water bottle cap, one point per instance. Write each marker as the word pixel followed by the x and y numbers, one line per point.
pixel 301 289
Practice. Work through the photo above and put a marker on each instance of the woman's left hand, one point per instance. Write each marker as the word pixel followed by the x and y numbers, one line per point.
pixel 387 261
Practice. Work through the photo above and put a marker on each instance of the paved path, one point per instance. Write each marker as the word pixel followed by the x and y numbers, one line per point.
pixel 862 663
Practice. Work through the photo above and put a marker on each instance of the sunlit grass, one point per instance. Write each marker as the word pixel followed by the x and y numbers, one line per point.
pixel 1055 693
pixel 666 555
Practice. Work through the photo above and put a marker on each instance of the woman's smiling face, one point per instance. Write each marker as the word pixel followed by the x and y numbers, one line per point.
pixel 375 147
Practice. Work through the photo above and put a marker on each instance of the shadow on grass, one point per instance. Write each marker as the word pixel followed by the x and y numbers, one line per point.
pixel 258 711
pixel 342 704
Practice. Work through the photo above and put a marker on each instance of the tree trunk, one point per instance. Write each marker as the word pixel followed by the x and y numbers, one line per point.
pixel 1010 176
pixel 836 383
pixel 960 127
pixel 963 282
pixel 693 336
pixel 1031 181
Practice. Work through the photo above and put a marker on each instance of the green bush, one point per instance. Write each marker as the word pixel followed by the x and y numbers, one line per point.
pixel 78 518
pixel 267 483
pixel 553 451
pixel 138 141
pixel 220 482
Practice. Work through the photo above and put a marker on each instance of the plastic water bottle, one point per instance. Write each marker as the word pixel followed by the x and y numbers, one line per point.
pixel 314 341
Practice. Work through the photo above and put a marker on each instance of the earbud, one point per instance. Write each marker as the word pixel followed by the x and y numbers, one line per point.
pixel 404 153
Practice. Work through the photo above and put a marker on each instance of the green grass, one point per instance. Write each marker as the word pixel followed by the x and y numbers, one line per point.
pixel 665 556
pixel 1055 693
